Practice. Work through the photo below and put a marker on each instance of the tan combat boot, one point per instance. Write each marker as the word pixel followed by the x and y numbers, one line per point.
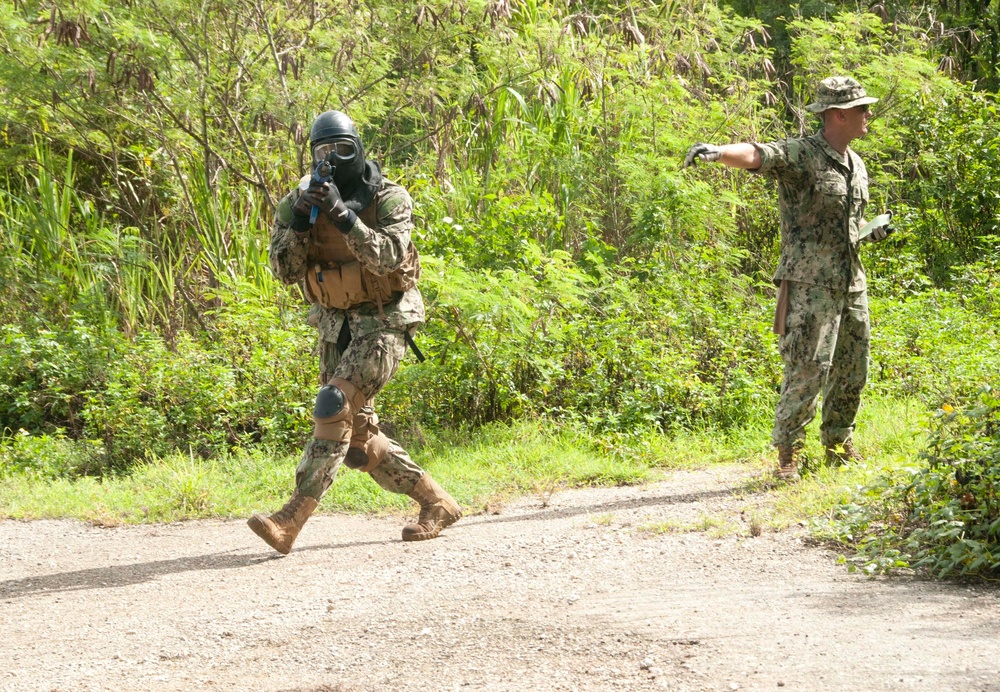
pixel 788 464
pixel 437 510
pixel 842 453
pixel 280 529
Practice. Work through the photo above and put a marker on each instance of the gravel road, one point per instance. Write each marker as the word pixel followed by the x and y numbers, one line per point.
pixel 598 589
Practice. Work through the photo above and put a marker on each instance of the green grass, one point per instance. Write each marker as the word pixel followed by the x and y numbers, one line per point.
pixel 495 464
pixel 689 449
pixel 486 468
pixel 888 435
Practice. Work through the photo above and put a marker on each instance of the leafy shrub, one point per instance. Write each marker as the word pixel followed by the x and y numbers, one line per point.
pixel 951 202
pixel 249 381
pixel 49 456
pixel 46 372
pixel 935 345
pixel 157 400
pixel 943 517
pixel 664 343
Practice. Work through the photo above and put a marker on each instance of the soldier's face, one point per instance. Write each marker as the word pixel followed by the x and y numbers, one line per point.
pixel 341 150
pixel 858 118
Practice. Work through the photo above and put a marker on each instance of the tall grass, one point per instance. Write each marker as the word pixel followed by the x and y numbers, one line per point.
pixel 62 255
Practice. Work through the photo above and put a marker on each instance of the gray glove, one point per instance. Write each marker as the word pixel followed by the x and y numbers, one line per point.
pixel 882 232
pixel 706 152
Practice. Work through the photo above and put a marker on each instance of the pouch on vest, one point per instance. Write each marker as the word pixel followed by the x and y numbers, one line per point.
pixel 337 280
pixel 339 287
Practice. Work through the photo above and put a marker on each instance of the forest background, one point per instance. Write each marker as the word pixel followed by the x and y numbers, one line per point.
pixel 594 312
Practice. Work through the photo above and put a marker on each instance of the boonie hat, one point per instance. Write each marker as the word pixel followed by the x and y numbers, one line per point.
pixel 839 92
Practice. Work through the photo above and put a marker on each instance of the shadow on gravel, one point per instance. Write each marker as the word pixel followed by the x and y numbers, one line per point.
pixel 123 575
pixel 895 590
pixel 604 507
pixel 334 546
pixel 126 575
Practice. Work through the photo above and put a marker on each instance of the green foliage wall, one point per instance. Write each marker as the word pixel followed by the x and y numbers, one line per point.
pixel 572 269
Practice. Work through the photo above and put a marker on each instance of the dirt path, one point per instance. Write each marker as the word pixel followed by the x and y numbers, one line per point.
pixel 579 595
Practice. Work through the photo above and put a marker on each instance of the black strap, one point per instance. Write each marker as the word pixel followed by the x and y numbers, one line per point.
pixel 344 338
pixel 413 346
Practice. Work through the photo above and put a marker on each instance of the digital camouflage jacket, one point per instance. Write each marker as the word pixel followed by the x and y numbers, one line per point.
pixel 822 202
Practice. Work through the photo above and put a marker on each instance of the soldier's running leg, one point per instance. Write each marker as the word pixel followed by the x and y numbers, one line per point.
pixel 847 379
pixel 347 431
pixel 369 363
pixel 320 460
pixel 376 355
pixel 807 350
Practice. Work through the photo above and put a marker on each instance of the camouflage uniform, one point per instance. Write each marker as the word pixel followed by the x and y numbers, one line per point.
pixel 377 343
pixel 825 338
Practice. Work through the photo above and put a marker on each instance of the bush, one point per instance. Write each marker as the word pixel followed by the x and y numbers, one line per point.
pixel 664 343
pixel 935 345
pixel 247 382
pixel 45 373
pixel 943 517
pixel 47 457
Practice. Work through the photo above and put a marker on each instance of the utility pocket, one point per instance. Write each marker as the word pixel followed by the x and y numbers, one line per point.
pixel 830 183
pixel 859 193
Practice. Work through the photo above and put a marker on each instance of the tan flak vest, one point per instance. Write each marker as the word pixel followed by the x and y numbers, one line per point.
pixel 336 279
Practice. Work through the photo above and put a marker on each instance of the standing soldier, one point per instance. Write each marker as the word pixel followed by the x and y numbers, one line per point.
pixel 822 311
pixel 345 238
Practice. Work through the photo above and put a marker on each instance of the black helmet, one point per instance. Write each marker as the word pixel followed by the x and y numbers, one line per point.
pixel 333 126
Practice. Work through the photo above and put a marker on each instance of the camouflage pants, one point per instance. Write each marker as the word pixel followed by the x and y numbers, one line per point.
pixel 369 362
pixel 825 350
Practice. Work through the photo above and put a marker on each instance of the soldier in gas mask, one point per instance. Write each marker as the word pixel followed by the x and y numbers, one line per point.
pixel 345 238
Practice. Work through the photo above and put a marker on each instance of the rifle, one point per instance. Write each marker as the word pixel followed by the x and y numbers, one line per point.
pixel 323 173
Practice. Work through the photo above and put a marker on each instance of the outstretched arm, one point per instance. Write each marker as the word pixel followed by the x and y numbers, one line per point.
pixel 741 155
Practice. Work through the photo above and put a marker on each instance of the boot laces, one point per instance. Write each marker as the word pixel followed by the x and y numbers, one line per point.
pixel 786 458
pixel 287 513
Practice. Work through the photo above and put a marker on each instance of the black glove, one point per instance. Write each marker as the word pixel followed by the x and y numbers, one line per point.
pixel 325 196
pixel 705 152
pixel 300 215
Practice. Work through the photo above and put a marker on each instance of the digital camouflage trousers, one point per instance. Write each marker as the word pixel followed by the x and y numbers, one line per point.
pixel 825 351
pixel 369 362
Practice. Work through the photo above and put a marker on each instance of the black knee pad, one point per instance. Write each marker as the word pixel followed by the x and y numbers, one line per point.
pixel 329 402
pixel 332 415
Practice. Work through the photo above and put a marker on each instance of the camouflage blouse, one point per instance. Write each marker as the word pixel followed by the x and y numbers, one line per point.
pixel 822 201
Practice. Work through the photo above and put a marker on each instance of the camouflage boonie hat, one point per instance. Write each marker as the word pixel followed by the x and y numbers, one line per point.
pixel 839 92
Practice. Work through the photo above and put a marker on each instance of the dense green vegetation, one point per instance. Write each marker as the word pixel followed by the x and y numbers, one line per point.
pixel 577 281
